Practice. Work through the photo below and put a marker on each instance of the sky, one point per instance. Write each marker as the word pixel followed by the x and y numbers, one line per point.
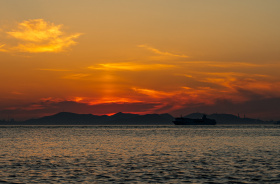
pixel 141 56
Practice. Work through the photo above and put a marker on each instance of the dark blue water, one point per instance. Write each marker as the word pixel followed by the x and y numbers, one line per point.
pixel 140 154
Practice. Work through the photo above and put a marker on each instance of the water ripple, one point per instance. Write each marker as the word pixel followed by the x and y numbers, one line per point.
pixel 139 155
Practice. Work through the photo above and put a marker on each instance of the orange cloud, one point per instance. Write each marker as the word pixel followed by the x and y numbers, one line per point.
pixel 156 51
pixel 252 82
pixel 153 93
pixel 173 100
pixel 16 93
pixel 130 66
pixel 54 70
pixel 37 36
pixel 115 100
pixel 77 76
pixel 232 64
pixel 234 87
pixel 217 64
pixel 51 100
pixel 36 30
pixel 2 49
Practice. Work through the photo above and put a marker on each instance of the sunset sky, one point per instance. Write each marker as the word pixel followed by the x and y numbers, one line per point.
pixel 140 56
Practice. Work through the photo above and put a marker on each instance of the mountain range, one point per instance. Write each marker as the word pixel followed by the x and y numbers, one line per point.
pixel 68 118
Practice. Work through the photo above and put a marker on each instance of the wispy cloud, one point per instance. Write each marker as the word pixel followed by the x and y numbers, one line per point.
pixel 130 66
pixel 156 51
pixel 38 35
pixel 228 79
pixel 173 100
pixel 153 93
pixel 211 87
pixel 2 49
pixel 223 64
pixel 77 76
pixel 54 70
pixel 232 64
pixel 16 93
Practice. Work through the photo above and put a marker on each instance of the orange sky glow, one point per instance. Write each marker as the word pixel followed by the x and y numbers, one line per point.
pixel 158 56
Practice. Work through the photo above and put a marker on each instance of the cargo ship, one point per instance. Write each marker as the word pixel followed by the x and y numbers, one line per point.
pixel 188 121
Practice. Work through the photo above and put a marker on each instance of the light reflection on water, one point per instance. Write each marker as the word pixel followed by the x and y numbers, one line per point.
pixel 140 154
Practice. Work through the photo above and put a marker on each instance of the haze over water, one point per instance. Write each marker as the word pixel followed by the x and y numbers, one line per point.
pixel 139 154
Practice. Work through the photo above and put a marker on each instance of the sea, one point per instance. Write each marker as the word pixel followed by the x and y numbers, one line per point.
pixel 140 154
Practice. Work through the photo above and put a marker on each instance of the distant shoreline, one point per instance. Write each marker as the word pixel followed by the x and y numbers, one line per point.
pixel 118 119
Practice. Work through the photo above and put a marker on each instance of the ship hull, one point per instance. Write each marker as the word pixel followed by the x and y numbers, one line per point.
pixel 188 121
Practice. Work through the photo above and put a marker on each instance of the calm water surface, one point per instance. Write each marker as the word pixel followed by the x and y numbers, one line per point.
pixel 140 154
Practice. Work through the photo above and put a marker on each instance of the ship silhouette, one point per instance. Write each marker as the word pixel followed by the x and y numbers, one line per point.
pixel 189 121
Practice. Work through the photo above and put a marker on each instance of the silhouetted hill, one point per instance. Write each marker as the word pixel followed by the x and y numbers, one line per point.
pixel 194 115
pixel 67 118
pixel 119 118
pixel 228 119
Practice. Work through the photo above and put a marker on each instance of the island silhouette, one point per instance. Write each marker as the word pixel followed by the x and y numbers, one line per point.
pixel 69 118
